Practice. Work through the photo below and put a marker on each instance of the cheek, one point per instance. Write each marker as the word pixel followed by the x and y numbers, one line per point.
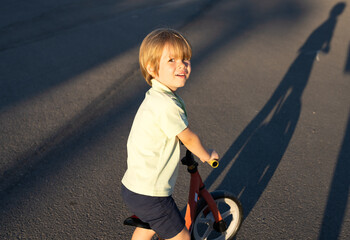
pixel 169 70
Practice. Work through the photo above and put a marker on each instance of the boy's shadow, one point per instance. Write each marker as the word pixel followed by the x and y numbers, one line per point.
pixel 258 150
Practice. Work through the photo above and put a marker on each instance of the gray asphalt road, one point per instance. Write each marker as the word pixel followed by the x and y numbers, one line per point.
pixel 269 90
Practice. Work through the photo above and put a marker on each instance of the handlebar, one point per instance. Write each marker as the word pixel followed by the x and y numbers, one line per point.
pixel 214 163
pixel 188 160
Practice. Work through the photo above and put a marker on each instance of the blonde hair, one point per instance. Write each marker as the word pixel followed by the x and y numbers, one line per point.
pixel 152 48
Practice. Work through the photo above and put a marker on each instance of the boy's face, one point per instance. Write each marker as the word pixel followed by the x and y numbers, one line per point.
pixel 173 72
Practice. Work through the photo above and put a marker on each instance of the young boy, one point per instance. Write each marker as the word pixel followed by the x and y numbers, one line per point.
pixel 153 144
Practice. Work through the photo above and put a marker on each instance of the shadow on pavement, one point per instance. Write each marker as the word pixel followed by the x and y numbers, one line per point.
pixel 339 193
pixel 258 150
pixel 347 64
pixel 337 202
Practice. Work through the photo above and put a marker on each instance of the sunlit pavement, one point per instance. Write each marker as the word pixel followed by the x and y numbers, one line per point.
pixel 269 90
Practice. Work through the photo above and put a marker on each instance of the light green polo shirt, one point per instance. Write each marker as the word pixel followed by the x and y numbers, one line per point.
pixel 153 148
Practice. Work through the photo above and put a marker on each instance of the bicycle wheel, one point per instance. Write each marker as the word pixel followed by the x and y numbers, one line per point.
pixel 231 211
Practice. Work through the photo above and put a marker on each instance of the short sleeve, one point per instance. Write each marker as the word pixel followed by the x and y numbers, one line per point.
pixel 173 119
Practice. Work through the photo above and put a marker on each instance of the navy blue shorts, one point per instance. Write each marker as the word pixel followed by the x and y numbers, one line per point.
pixel 161 213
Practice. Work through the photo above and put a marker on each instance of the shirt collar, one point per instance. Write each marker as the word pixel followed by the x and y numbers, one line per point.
pixel 158 86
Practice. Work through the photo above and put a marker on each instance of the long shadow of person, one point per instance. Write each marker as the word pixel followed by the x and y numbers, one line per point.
pixel 347 64
pixel 338 197
pixel 254 156
pixel 339 193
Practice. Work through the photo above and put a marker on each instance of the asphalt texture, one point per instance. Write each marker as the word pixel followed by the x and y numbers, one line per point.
pixel 269 90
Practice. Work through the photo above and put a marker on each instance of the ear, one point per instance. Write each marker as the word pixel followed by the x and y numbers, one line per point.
pixel 151 71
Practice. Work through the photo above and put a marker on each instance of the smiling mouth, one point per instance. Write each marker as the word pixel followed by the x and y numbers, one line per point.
pixel 180 75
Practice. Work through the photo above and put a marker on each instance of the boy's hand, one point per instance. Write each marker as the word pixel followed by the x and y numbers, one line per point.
pixel 213 155
pixel 214 159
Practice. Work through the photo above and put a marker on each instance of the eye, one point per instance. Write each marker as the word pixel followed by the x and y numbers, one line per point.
pixel 172 60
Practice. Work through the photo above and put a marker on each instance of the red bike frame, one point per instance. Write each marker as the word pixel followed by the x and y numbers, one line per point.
pixel 197 191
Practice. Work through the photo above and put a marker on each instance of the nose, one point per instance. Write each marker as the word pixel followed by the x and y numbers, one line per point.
pixel 183 64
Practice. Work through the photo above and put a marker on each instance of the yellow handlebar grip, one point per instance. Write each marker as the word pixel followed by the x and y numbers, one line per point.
pixel 214 163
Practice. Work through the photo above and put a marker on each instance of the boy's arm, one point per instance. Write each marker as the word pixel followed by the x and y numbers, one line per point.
pixel 193 143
